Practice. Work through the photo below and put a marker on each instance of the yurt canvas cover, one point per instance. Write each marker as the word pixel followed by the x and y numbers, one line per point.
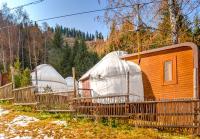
pixel 109 77
pixel 48 79
pixel 70 83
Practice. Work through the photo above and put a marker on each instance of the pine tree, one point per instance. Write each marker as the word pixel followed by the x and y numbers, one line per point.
pixel 58 39
pixel 83 59
pixel 67 61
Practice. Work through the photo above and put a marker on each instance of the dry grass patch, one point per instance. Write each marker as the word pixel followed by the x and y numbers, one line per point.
pixel 76 128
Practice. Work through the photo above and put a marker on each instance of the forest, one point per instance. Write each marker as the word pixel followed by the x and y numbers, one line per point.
pixel 27 45
pixel 145 26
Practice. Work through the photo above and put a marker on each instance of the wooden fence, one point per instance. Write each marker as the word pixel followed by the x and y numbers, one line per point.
pixel 53 102
pixel 6 92
pixel 180 114
pixel 24 96
pixel 174 114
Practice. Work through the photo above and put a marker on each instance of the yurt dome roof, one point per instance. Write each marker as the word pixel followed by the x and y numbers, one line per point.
pixel 112 65
pixel 46 72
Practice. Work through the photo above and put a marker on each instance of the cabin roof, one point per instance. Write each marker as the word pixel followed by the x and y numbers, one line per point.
pixel 189 44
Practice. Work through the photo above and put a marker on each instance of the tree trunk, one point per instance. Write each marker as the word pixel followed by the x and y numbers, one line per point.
pixel 29 53
pixel 45 51
pixel 36 80
pixel 10 48
pixel 173 20
pixel 18 44
pixel 4 62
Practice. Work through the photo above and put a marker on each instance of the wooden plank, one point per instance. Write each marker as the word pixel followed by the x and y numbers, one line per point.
pixel 111 116
pixel 23 88
pixel 7 99
pixel 1 87
pixel 57 111
pixel 25 104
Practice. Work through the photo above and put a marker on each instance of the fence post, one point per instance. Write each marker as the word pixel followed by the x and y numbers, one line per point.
pixel 74 77
pixel 12 76
pixel 196 114
pixel 128 87
pixel 127 95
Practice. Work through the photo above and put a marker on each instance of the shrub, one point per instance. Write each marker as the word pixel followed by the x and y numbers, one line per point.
pixel 21 77
pixel 25 78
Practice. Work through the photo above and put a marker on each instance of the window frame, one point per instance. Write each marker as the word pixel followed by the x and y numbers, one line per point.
pixel 174 70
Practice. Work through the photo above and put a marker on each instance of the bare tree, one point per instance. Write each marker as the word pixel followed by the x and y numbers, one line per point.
pixel 173 18
pixel 150 13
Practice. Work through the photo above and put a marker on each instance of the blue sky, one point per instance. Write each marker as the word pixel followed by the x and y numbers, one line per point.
pixel 51 8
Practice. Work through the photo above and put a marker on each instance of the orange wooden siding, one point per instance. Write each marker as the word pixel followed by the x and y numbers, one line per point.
pixel 152 68
pixel 86 86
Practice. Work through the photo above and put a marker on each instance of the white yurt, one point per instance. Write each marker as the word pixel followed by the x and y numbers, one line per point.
pixel 109 77
pixel 70 83
pixel 49 80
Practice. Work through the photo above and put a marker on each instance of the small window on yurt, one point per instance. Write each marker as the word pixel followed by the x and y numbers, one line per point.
pixel 169 71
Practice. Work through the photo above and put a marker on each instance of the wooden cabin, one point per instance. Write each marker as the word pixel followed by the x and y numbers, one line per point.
pixel 170 72
pixel 4 79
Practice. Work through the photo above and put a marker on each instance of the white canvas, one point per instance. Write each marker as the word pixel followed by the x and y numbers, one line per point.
pixel 48 76
pixel 109 77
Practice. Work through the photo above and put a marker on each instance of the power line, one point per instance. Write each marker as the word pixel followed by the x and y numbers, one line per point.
pixel 27 4
pixel 21 6
pixel 79 13
pixel 92 11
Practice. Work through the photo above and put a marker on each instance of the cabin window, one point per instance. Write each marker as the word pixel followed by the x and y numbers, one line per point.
pixel 169 71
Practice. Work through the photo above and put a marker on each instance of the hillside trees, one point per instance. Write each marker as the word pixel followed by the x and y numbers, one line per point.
pixel 83 59
pixel 196 30
pixel 74 33
pixel 162 19
pixel 30 44
pixel 58 38
pixel 122 37
pixel 67 61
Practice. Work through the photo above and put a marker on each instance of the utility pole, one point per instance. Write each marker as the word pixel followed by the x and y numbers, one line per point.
pixel 138 31
pixel 173 20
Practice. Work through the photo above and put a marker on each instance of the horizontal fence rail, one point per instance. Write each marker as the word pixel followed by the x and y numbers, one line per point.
pixel 6 92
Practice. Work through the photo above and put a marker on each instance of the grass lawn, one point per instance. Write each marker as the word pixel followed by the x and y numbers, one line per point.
pixel 72 127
